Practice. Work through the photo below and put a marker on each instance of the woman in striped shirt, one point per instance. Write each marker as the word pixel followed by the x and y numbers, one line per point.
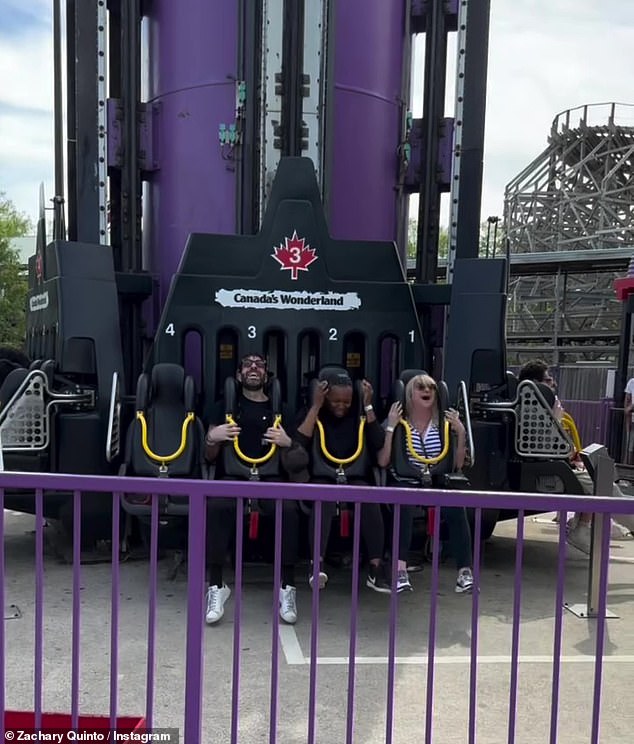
pixel 422 415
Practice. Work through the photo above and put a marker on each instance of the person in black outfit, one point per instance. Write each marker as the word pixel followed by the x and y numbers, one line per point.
pixel 332 406
pixel 254 427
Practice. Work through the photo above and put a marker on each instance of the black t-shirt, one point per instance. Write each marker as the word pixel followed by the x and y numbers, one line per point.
pixel 253 417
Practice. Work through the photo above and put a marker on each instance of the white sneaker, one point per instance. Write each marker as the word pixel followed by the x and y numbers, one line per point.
pixel 216 598
pixel 619 532
pixel 403 584
pixel 322 577
pixel 288 604
pixel 579 537
pixel 464 582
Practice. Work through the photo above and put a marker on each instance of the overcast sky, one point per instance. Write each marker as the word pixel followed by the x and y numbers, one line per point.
pixel 545 56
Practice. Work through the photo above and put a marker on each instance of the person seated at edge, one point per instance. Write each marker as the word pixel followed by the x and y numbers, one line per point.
pixel 254 427
pixel 578 534
pixel 332 405
pixel 422 414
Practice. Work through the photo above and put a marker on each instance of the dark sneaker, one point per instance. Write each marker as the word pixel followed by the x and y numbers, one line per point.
pixel 464 582
pixel 378 579
pixel 403 583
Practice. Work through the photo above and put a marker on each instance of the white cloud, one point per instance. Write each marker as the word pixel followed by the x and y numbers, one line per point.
pixel 545 56
pixel 26 107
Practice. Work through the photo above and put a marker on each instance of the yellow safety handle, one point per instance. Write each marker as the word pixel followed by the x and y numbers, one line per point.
pixel 569 425
pixel 163 459
pixel 253 460
pixel 336 460
pixel 415 455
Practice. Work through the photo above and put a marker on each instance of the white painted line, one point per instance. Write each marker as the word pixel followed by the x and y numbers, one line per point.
pixel 464 660
pixel 290 646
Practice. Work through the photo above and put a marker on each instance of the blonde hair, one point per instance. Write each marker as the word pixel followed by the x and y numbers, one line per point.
pixel 428 381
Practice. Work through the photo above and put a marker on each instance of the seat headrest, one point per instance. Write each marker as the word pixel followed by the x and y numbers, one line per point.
pixel 6 367
pixel 11 383
pixel 232 393
pixel 335 375
pixel 166 384
pixel 547 392
pixel 407 374
pixel 167 381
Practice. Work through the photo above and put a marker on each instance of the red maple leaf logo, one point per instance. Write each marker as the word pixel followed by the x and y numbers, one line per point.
pixel 295 255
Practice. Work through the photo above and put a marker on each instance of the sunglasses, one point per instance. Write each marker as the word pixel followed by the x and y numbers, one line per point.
pixel 257 363
pixel 425 386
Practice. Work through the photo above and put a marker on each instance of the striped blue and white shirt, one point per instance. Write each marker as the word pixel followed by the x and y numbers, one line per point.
pixel 426 444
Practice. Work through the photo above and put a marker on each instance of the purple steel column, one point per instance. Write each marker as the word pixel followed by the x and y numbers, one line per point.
pixel 601 610
pixel 354 610
pixel 275 639
pixel 391 650
pixel 193 69
pixel 195 611
pixel 114 611
pixel 2 659
pixel 517 606
pixel 431 643
pixel 39 604
pixel 151 621
pixel 475 607
pixel 559 602
pixel 361 168
pixel 74 695
pixel 314 628
pixel 237 611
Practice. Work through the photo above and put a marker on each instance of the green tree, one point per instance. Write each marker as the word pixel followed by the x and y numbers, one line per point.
pixel 13 282
pixel 443 240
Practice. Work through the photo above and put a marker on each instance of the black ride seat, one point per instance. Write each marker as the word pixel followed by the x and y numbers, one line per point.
pixel 165 400
pixel 440 474
pixel 234 465
pixel 321 465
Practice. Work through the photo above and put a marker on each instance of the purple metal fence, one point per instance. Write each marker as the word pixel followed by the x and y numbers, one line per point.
pixel 592 418
pixel 198 492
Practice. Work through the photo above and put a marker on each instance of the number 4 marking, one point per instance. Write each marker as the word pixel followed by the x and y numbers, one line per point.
pixel 170 330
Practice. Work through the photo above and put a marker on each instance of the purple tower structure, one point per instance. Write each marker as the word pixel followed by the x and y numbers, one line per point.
pixel 196 57
pixel 370 43
pixel 192 69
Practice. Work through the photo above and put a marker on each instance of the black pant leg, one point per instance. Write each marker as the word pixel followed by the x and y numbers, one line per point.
pixel 459 535
pixel 290 528
pixel 221 520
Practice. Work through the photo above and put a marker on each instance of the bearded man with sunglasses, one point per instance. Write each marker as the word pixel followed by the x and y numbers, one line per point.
pixel 256 433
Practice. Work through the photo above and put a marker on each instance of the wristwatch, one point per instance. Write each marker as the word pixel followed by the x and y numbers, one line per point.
pixel 368 408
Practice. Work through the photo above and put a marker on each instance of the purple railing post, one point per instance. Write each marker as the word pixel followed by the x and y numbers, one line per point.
pixel 235 689
pixel 354 607
pixel 277 563
pixel 431 642
pixel 2 644
pixel 74 694
pixel 601 610
pixel 151 621
pixel 314 633
pixel 517 602
pixel 475 606
pixel 114 611
pixel 389 712
pixel 39 604
pixel 559 601
pixel 195 610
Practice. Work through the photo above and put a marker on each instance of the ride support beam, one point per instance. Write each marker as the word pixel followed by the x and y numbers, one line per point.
pixel 471 155
pixel 82 121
